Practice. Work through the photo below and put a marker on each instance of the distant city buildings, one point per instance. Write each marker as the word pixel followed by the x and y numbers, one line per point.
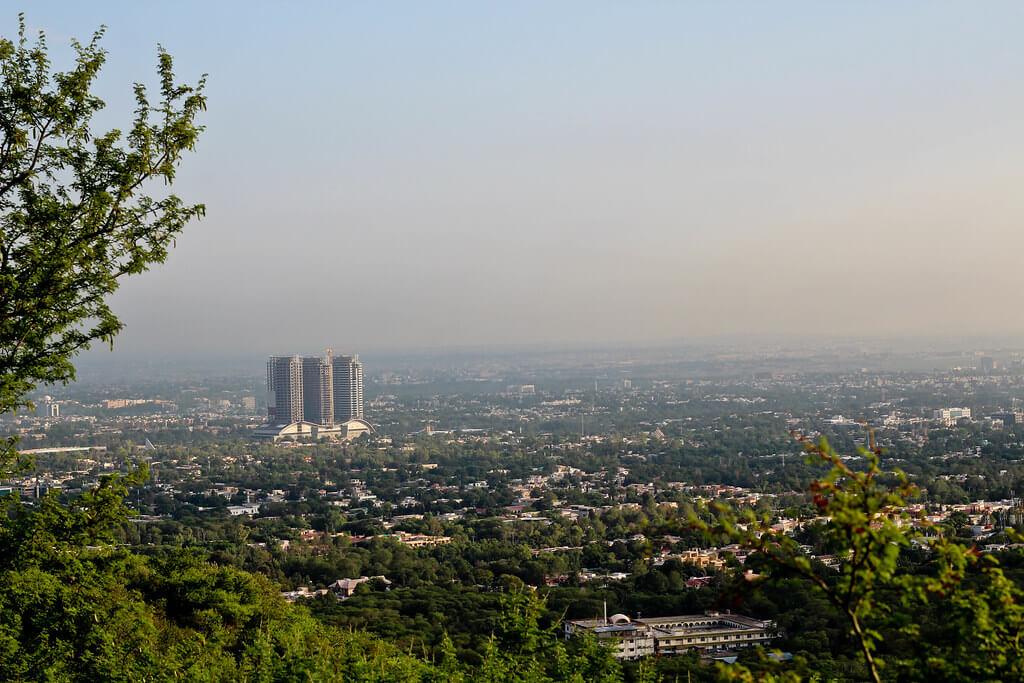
pixel 521 390
pixel 48 407
pixel 284 389
pixel 949 416
pixel 1009 417
pixel 119 403
pixel 313 396
pixel 317 390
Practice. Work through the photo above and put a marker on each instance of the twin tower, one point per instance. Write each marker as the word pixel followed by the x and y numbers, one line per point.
pixel 320 391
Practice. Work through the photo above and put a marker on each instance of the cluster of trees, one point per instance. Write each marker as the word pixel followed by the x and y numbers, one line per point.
pixel 76 605
pixel 915 601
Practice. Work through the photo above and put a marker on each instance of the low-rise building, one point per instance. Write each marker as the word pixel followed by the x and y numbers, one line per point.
pixel 420 540
pixel 636 638
pixel 949 416
pixel 346 588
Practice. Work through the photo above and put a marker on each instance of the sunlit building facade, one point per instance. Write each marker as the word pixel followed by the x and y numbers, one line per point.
pixel 348 388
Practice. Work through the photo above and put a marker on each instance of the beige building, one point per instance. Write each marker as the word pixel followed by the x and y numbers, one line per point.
pixel 705 559
pixel 420 540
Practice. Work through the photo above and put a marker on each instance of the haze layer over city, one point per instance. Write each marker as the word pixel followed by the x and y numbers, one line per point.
pixel 560 173
pixel 520 342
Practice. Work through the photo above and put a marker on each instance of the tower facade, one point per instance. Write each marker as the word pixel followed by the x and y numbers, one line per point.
pixel 284 389
pixel 348 388
pixel 321 391
pixel 318 390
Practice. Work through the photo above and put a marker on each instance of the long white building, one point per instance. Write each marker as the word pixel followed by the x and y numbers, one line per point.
pixel 636 638
pixel 949 416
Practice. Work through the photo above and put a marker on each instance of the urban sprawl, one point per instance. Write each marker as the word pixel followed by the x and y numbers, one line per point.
pixel 577 478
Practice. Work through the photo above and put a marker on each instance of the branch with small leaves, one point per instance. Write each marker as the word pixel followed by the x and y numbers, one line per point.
pixel 76 216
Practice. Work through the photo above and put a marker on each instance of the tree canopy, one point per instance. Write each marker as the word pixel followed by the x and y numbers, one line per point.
pixel 77 211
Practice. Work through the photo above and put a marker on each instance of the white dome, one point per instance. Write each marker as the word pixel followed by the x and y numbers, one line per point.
pixel 619 619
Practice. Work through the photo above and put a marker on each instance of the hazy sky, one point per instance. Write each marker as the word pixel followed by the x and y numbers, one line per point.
pixel 394 175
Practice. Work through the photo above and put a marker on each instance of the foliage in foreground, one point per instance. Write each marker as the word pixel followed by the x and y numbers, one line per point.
pixel 76 215
pixel 76 607
pixel 962 614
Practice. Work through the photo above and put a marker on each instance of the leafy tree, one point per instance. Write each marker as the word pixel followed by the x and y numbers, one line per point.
pixel 977 618
pixel 524 651
pixel 76 215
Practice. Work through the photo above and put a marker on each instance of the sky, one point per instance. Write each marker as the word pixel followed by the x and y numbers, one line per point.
pixel 403 175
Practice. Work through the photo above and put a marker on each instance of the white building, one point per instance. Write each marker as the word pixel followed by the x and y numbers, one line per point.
pixel 635 638
pixel 949 416
pixel 296 431
pixel 48 407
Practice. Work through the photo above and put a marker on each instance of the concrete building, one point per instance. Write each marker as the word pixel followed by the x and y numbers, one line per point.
pixel 284 389
pixel 318 390
pixel 636 638
pixel 348 388
pixel 420 540
pixel 949 416
pixel 314 397
pixel 705 559
pixel 300 429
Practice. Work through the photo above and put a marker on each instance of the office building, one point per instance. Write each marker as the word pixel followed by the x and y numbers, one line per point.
pixel 1008 418
pixel 348 388
pixel 48 407
pixel 284 389
pixel 318 390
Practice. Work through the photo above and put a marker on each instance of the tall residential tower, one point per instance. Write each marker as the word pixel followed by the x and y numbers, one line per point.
pixel 284 389
pixel 318 390
pixel 348 388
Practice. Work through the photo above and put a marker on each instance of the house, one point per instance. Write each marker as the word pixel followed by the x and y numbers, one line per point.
pixel 346 588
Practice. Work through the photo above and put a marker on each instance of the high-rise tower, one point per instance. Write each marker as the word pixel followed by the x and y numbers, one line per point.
pixel 284 389
pixel 321 391
pixel 318 390
pixel 348 388
pixel 312 397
